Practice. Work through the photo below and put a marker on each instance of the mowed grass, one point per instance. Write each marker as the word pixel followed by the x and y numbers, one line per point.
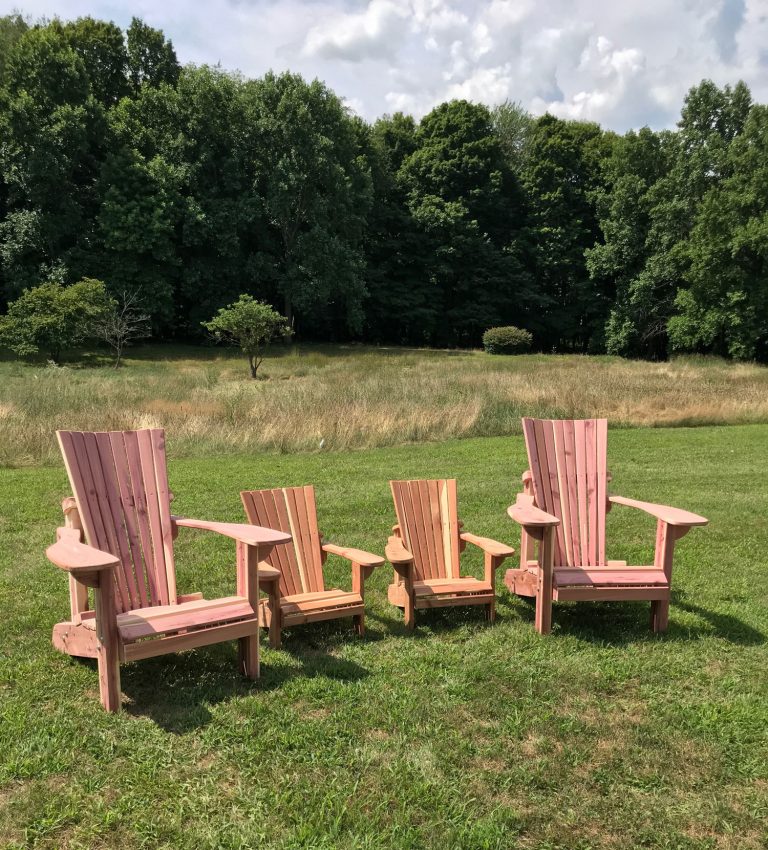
pixel 463 735
pixel 352 397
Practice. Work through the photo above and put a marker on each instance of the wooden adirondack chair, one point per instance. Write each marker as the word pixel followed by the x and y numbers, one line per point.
pixel 563 508
pixel 302 596
pixel 121 505
pixel 425 548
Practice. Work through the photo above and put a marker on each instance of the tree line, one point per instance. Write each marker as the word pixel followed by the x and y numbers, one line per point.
pixel 189 186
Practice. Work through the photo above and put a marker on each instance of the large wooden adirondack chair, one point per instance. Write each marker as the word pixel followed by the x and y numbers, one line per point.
pixel 562 512
pixel 121 506
pixel 425 551
pixel 302 596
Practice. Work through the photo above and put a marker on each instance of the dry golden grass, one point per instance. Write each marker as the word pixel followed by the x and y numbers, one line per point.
pixel 355 397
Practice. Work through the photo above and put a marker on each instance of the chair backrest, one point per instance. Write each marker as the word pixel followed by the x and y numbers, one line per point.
pixel 568 465
pixel 120 483
pixel 293 510
pixel 429 527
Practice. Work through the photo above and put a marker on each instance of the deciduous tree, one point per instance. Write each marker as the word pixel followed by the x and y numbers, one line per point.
pixel 250 325
pixel 52 318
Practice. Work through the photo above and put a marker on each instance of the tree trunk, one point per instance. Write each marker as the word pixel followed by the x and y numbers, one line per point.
pixel 289 317
pixel 253 365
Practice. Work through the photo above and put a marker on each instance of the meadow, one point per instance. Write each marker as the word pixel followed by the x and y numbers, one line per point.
pixel 209 405
pixel 462 735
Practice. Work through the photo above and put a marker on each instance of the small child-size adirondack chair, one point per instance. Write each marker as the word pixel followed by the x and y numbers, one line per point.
pixel 121 506
pixel 299 595
pixel 425 551
pixel 563 508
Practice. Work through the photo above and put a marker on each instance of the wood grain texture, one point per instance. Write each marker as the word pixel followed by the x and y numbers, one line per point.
pixel 565 510
pixel 121 506
pixel 302 596
pixel 426 547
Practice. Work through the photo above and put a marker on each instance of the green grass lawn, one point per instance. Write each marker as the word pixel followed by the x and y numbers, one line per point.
pixel 463 735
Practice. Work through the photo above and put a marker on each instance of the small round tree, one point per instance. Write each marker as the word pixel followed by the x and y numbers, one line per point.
pixel 249 324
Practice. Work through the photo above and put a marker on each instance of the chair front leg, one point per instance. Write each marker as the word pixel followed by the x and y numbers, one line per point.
pixel 360 573
pixel 666 537
pixel 272 589
pixel 544 581
pixel 492 563
pixel 405 571
pixel 248 586
pixel 108 642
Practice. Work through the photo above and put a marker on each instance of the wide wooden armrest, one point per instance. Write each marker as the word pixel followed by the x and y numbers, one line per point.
pixel 397 553
pixel 357 556
pixel 492 547
pixel 525 513
pixel 253 535
pixel 70 554
pixel 672 516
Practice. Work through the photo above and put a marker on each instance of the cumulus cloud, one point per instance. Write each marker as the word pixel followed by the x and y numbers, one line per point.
pixel 375 33
pixel 622 64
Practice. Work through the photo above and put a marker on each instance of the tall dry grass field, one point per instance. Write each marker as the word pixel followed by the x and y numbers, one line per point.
pixel 356 397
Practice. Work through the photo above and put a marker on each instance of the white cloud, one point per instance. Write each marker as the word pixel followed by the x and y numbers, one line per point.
pixel 374 33
pixel 623 64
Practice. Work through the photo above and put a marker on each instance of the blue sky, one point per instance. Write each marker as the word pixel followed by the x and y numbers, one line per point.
pixel 624 63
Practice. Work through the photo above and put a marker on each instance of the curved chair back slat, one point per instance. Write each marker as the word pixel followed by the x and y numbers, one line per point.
pixel 568 465
pixel 120 483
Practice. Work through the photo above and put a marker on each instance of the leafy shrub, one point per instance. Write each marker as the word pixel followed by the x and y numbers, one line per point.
pixel 51 318
pixel 507 340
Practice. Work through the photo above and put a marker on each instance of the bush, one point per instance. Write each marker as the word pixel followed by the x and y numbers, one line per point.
pixel 51 318
pixel 507 340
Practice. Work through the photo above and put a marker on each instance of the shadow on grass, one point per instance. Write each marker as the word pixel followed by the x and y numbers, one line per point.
pixel 168 352
pixel 177 692
pixel 431 621
pixel 622 623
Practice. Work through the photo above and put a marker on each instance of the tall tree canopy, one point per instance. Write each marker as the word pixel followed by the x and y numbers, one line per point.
pixel 189 187
pixel 314 191
pixel 561 174
pixel 467 203
pixel 695 160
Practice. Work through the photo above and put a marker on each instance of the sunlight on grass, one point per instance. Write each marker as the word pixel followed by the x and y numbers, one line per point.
pixel 358 397
pixel 462 736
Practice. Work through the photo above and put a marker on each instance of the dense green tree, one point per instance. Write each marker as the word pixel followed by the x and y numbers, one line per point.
pixel 314 191
pixel 401 307
pixel 513 126
pixel 137 228
pixel 12 28
pixel 223 220
pixel 561 175
pixel 637 161
pixel 179 216
pixel 51 318
pixel 101 46
pixel 52 138
pixel 191 186
pixel 698 161
pixel 151 58
pixel 724 308
pixel 467 203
